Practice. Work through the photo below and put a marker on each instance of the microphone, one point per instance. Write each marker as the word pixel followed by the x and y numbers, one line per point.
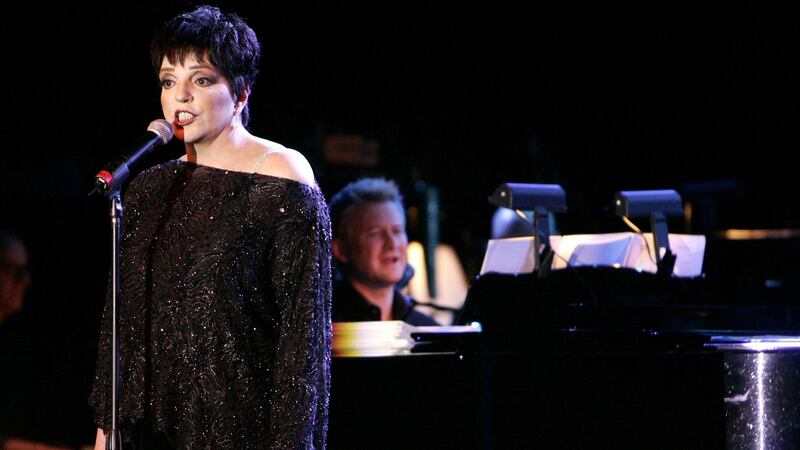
pixel 116 172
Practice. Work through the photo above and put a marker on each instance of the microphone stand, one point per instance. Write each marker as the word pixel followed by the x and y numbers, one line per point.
pixel 112 192
pixel 109 181
pixel 113 438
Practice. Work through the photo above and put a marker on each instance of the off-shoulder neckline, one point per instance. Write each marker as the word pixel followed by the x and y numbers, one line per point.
pixel 246 174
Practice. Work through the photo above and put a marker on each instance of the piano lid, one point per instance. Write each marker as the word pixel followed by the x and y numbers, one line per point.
pixel 614 300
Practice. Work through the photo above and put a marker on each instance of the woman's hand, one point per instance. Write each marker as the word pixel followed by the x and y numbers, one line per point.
pixel 100 440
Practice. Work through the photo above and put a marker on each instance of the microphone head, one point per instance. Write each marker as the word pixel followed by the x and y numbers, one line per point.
pixel 162 128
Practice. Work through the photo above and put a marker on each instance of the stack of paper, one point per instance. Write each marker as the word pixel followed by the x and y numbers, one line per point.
pixel 377 338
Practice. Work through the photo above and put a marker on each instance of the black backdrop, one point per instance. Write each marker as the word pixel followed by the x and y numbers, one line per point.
pixel 461 96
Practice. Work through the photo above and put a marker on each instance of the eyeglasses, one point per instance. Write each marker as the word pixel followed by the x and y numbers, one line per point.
pixel 18 271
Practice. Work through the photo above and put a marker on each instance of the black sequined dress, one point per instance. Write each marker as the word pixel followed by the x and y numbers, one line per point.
pixel 225 321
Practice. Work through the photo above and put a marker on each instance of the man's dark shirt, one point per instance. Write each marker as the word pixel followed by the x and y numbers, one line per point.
pixel 350 306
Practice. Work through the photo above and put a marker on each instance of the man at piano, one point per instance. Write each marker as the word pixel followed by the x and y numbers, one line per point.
pixel 369 249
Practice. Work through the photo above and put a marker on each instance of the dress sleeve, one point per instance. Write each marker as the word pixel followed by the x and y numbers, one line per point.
pixel 301 277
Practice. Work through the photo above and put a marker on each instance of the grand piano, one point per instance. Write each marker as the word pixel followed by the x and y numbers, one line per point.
pixel 592 357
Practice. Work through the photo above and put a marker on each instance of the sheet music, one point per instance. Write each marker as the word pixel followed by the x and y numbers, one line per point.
pixel 625 249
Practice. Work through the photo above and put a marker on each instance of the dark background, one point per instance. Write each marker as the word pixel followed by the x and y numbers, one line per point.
pixel 459 96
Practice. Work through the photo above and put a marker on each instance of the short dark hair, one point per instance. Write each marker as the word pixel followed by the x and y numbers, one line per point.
pixel 374 190
pixel 225 40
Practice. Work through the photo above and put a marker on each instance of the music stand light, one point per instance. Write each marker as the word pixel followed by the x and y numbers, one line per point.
pixel 656 204
pixel 539 198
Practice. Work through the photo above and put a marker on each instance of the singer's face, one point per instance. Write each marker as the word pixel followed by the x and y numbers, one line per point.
pixel 375 243
pixel 196 98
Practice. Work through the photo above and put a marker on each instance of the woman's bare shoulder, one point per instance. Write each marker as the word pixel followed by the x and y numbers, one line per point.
pixel 280 161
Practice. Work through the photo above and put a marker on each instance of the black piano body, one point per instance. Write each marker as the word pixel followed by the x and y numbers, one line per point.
pixel 583 358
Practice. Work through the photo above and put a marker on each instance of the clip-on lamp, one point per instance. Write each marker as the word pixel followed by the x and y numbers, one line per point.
pixel 541 199
pixel 657 204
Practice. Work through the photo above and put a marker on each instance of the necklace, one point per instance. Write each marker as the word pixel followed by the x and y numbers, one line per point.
pixel 261 160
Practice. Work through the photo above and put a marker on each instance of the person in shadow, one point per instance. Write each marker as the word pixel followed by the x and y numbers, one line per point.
pixel 19 396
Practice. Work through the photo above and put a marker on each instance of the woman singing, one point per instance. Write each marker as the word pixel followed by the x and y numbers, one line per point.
pixel 225 322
